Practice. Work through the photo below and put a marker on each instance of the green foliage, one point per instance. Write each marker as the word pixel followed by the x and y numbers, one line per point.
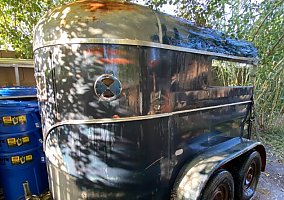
pixel 267 35
pixel 17 19
pixel 231 73
pixel 261 22
pixel 273 136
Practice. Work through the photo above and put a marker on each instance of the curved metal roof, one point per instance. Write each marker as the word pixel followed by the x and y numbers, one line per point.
pixel 117 22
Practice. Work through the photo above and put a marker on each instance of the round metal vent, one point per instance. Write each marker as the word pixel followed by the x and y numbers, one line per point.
pixel 107 87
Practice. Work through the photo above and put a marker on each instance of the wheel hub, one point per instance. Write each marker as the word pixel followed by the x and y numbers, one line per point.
pixel 221 193
pixel 250 176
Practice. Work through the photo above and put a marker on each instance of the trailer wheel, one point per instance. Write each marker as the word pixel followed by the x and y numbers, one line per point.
pixel 219 187
pixel 246 176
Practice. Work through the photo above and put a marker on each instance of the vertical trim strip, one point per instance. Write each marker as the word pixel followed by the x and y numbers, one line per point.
pixel 159 27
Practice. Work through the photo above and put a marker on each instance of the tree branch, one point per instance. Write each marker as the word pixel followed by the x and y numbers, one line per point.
pixel 274 46
pixel 265 18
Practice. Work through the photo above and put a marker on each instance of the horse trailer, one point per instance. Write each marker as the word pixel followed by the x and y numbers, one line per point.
pixel 130 109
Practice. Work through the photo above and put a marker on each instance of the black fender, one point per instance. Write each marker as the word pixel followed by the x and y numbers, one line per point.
pixel 194 175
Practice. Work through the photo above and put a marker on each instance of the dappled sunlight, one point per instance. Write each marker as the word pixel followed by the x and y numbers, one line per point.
pixel 196 177
pixel 107 156
pixel 118 87
pixel 94 20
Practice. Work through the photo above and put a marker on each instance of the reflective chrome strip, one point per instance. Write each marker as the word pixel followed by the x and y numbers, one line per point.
pixel 159 27
pixel 139 43
pixel 136 118
pixel 210 107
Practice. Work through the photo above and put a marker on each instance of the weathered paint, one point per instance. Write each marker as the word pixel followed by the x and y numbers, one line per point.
pixel 151 83
pixel 133 146
pixel 123 20
pixel 130 159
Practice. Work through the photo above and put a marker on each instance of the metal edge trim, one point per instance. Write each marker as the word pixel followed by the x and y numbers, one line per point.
pixel 17 97
pixel 159 27
pixel 136 118
pixel 16 65
pixel 210 107
pixel 139 43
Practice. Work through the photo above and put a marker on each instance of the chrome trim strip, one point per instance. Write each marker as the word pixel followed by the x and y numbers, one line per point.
pixel 210 107
pixel 139 43
pixel 136 118
pixel 159 27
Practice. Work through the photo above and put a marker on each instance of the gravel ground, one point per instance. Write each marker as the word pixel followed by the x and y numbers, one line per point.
pixel 271 184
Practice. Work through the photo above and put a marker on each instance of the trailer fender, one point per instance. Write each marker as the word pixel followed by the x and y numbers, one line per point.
pixel 194 175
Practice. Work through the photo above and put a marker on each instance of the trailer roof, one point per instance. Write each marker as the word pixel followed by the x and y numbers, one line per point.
pixel 116 22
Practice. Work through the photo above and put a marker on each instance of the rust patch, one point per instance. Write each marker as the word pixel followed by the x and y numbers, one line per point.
pixel 105 6
pixel 100 51
pixel 118 61
pixel 113 56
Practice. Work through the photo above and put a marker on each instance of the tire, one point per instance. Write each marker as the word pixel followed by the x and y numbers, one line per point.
pixel 219 187
pixel 246 176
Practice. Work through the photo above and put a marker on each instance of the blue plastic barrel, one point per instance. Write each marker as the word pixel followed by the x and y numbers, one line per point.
pixel 21 155
pixel 18 116
pixel 18 167
pixel 15 142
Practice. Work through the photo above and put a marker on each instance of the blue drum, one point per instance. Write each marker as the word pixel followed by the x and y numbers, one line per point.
pixel 20 141
pixel 18 116
pixel 21 155
pixel 18 167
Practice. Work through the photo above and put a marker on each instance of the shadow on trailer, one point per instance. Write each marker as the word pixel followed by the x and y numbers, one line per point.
pixel 131 109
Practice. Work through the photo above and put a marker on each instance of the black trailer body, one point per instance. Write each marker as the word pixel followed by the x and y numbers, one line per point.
pixel 127 107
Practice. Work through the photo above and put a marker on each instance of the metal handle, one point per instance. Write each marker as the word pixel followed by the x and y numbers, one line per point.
pixel 27 190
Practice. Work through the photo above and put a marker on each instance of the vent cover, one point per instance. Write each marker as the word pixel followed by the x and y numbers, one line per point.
pixel 107 87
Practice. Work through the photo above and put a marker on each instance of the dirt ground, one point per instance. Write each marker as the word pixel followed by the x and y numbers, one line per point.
pixel 271 184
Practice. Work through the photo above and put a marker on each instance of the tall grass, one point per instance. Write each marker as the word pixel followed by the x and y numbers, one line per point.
pixel 273 137
pixel 268 84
